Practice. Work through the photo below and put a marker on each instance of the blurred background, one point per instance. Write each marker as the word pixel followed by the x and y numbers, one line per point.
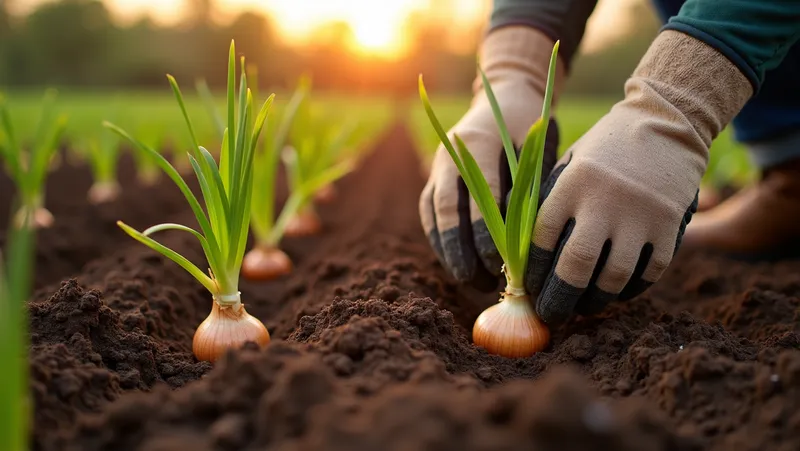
pixel 370 50
pixel 350 45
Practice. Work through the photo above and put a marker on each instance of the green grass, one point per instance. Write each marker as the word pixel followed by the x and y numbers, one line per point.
pixel 88 109
pixel 151 115
pixel 155 110
pixel 729 162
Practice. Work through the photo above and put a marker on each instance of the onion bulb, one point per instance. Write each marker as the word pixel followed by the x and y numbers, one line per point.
pixel 266 263
pixel 226 327
pixel 326 194
pixel 511 328
pixel 41 218
pixel 103 192
pixel 304 223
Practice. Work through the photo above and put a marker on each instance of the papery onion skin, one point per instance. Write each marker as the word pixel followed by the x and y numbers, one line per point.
pixel 225 328
pixel 41 218
pixel 304 223
pixel 511 328
pixel 266 263
pixel 103 192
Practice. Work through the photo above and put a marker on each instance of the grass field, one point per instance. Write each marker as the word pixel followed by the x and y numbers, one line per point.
pixel 155 113
pixel 136 109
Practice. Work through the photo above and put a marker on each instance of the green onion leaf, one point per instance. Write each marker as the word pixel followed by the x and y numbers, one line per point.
pixel 173 174
pixel 476 183
pixel 531 169
pixel 472 177
pixel 508 145
pixel 172 255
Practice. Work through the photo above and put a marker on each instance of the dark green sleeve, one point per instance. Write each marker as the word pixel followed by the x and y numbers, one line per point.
pixel 754 34
pixel 563 20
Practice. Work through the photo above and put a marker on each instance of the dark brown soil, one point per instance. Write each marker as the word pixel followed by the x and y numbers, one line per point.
pixel 371 349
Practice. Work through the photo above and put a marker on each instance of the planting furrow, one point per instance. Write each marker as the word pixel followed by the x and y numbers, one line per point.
pixel 372 246
pixel 83 232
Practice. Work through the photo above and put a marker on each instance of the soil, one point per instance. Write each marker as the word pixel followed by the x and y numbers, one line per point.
pixel 371 348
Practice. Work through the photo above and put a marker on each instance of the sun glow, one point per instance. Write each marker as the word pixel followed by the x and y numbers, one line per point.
pixel 377 26
pixel 373 36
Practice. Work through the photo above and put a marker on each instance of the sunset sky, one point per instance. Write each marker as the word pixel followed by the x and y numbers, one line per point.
pixel 377 24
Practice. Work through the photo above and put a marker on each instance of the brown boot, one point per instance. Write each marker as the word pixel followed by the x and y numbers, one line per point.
pixel 759 222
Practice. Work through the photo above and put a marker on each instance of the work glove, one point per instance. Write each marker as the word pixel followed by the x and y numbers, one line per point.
pixel 515 61
pixel 618 201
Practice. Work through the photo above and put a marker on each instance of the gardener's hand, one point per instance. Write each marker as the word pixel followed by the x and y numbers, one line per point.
pixel 515 60
pixel 617 203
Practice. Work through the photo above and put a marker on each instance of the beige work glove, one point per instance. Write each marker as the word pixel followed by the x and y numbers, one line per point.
pixel 617 203
pixel 515 60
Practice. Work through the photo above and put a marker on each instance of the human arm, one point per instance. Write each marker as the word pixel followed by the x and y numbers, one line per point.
pixel 619 200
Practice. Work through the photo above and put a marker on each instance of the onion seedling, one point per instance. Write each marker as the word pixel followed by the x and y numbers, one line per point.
pixel 147 171
pixel 266 260
pixel 151 131
pixel 103 152
pixel 340 148
pixel 314 152
pixel 510 328
pixel 28 168
pixel 227 191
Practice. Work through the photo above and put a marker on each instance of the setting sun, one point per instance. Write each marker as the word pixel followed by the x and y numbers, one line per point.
pixel 373 36
pixel 377 26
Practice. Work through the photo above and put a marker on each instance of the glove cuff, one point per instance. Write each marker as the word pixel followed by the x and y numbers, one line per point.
pixel 518 53
pixel 706 87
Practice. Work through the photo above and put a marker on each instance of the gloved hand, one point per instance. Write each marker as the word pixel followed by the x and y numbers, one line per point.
pixel 515 60
pixel 618 201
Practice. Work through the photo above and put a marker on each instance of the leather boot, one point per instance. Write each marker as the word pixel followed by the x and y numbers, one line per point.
pixel 759 222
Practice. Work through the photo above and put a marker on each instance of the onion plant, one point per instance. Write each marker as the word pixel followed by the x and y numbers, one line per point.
pixel 147 171
pixel 320 142
pixel 510 328
pixel 266 260
pixel 103 153
pixel 343 146
pixel 227 190
pixel 316 150
pixel 28 167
